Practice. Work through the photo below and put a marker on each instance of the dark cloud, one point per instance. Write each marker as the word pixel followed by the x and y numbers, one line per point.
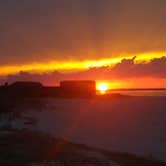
pixel 127 69
pixel 39 30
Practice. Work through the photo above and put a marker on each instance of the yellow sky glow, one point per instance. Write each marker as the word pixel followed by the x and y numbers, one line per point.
pixel 75 65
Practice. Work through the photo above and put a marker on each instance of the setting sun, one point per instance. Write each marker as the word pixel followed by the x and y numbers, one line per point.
pixel 102 87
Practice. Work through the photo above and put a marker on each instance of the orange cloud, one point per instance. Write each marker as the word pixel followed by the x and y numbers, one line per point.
pixel 125 74
pixel 65 66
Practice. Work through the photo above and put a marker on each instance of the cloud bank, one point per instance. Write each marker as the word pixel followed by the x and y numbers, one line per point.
pixel 127 69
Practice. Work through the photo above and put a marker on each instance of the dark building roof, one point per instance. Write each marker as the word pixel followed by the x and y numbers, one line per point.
pixel 78 83
pixel 67 89
pixel 73 88
pixel 26 84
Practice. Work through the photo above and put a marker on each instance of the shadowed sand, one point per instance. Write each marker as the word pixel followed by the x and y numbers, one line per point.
pixel 130 124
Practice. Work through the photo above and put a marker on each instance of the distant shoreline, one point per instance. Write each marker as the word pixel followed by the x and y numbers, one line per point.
pixel 138 89
pixel 138 92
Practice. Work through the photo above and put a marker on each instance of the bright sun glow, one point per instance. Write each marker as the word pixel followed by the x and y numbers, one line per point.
pixel 102 87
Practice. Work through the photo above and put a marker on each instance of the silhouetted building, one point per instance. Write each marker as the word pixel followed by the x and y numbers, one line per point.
pixel 67 89
pixel 25 84
pixel 75 88
pixel 25 89
pixel 50 92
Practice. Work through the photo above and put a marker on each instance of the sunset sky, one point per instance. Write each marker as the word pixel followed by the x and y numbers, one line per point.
pixel 119 41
